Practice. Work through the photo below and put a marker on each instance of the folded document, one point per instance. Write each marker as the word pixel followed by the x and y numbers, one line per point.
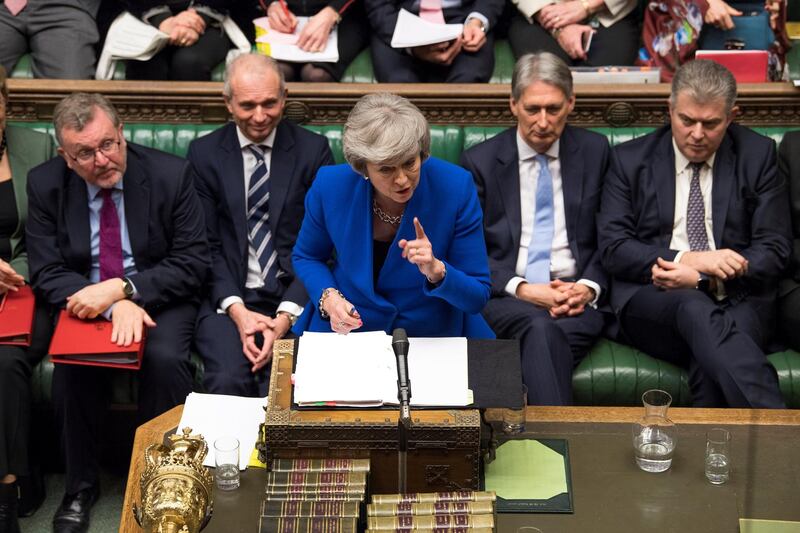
pixel 411 31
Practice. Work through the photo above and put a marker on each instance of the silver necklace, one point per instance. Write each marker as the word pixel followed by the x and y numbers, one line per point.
pixel 384 216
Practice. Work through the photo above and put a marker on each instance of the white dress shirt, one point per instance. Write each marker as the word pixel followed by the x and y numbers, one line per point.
pixel 562 262
pixel 254 280
pixel 683 180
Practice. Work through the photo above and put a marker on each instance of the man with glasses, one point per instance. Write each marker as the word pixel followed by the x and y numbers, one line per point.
pixel 115 230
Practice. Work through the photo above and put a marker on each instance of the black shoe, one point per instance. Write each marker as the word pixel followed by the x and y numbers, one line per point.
pixel 72 515
pixel 31 492
pixel 8 508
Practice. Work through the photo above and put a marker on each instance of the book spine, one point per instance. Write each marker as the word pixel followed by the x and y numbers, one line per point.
pixel 436 530
pixel 314 489
pixel 320 465
pixel 340 509
pixel 323 497
pixel 425 497
pixel 307 525
pixel 428 522
pixel 355 479
pixel 430 508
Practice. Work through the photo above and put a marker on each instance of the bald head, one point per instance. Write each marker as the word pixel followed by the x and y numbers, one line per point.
pixel 254 67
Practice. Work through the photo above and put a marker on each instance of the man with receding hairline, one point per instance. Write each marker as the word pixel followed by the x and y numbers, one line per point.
pixel 694 228
pixel 253 175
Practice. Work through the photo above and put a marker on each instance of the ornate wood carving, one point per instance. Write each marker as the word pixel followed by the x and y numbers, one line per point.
pixel 769 104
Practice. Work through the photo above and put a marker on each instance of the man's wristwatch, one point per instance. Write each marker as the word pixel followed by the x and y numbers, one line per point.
pixel 703 284
pixel 482 25
pixel 292 318
pixel 127 288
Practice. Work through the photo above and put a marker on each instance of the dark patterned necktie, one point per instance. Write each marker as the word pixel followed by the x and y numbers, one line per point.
pixel 258 219
pixel 696 213
pixel 110 239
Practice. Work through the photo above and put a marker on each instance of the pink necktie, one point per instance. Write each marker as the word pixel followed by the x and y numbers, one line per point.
pixel 431 10
pixel 110 239
pixel 15 6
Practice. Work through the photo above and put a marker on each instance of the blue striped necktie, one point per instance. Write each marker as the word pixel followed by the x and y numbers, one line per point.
pixel 258 219
pixel 538 269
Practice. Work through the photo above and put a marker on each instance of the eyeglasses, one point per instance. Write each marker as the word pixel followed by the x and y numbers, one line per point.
pixel 86 156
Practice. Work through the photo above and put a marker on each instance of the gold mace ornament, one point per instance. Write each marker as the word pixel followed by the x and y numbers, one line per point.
pixel 176 489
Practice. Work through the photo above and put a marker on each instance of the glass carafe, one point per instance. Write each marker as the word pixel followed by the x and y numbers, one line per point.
pixel 654 435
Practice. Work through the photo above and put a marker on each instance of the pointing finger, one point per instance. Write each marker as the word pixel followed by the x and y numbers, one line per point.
pixel 418 228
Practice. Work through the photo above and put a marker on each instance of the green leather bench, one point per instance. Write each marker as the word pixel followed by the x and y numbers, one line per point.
pixel 612 374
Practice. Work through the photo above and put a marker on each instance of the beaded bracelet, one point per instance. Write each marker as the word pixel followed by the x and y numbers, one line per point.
pixel 322 298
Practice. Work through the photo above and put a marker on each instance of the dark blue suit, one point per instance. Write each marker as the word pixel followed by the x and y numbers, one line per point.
pixel 297 154
pixel 720 341
pixel 398 66
pixel 338 228
pixel 168 241
pixel 550 347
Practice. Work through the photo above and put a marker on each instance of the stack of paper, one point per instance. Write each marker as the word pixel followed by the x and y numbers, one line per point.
pixel 217 415
pixel 283 46
pixel 411 31
pixel 360 370
pixel 129 38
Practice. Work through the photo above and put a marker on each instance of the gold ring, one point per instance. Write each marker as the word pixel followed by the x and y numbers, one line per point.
pixel 341 324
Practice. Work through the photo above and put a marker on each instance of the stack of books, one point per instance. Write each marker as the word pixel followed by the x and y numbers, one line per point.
pixel 314 495
pixel 464 511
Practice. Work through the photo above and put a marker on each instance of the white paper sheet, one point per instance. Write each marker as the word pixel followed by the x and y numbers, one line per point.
pixel 412 30
pixel 220 415
pixel 283 46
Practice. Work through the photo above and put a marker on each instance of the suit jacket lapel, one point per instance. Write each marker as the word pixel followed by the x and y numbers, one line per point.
pixel 136 191
pixel 231 172
pixel 571 186
pixel 662 170
pixel 76 216
pixel 508 182
pixel 722 188
pixel 281 173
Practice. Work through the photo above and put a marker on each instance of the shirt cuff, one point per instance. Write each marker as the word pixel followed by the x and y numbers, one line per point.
pixel 290 307
pixel 678 256
pixel 592 285
pixel 108 312
pixel 476 15
pixel 227 302
pixel 513 283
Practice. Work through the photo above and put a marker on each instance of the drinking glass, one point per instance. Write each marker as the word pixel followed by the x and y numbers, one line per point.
pixel 654 435
pixel 226 458
pixel 514 419
pixel 718 455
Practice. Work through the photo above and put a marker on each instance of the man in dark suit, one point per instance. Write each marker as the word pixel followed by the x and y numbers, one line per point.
pixel 114 230
pixel 253 175
pixel 466 59
pixel 789 287
pixel 694 229
pixel 539 184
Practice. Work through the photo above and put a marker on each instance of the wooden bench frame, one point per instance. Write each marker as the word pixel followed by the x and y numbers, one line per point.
pixel 765 104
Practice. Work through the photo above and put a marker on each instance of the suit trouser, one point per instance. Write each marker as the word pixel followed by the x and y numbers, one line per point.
pixel 59 37
pixel 720 344
pixel 16 367
pixel 398 66
pixel 226 370
pixel 82 393
pixel 550 347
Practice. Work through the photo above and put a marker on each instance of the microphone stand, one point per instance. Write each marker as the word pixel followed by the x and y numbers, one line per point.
pixel 400 347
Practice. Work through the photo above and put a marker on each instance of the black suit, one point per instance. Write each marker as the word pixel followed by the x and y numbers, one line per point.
pixel 168 241
pixel 789 288
pixel 720 341
pixel 297 154
pixel 550 347
pixel 398 66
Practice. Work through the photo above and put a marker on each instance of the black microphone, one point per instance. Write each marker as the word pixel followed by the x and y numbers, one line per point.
pixel 400 347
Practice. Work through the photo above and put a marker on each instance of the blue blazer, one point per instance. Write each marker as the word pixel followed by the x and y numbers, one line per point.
pixel 334 249
pixel 749 210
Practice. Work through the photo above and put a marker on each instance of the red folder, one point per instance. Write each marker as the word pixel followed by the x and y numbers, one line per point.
pixel 88 342
pixel 747 66
pixel 16 316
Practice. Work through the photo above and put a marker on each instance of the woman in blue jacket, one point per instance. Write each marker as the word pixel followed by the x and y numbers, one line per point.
pixel 395 238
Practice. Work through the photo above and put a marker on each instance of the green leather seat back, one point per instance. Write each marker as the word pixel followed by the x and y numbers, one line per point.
pixel 787 364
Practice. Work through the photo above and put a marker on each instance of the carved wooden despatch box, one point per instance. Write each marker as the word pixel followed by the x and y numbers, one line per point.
pixel 443 451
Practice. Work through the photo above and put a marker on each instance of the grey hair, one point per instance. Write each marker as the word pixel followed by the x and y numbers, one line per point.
pixel 384 128
pixel 543 66
pixel 78 109
pixel 257 63
pixel 704 81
